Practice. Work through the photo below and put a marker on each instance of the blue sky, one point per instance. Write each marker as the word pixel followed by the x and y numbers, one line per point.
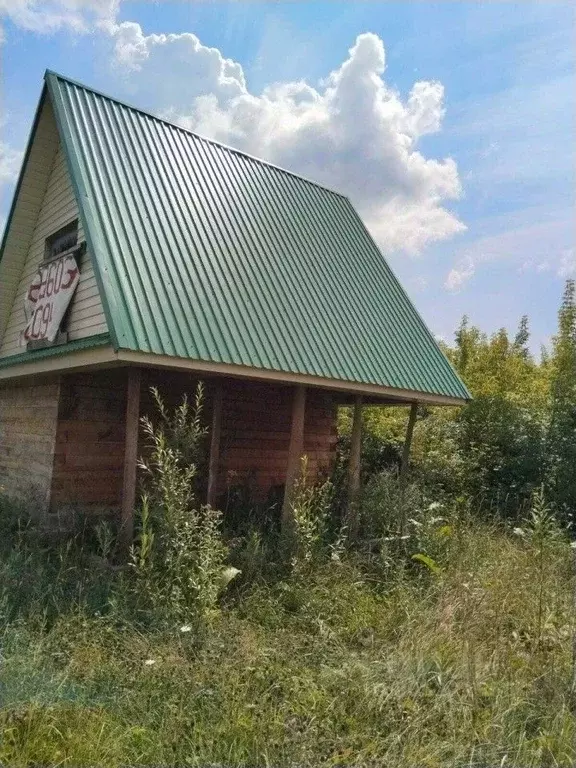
pixel 450 125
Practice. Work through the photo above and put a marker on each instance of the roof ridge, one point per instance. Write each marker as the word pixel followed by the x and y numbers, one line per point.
pixel 216 143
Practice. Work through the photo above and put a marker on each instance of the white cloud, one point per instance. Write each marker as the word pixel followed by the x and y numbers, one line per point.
pixel 47 16
pixel 564 266
pixel 460 274
pixel 10 160
pixel 536 239
pixel 175 68
pixel 351 132
pixel 567 266
pixel 418 283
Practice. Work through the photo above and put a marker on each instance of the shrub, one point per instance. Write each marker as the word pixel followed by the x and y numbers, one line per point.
pixel 179 556
pixel 386 505
pixel 561 443
pixel 310 512
pixel 436 459
pixel 504 446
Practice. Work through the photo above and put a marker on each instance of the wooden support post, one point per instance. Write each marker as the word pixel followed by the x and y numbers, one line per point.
pixel 130 459
pixel 214 463
pixel 354 470
pixel 295 451
pixel 408 443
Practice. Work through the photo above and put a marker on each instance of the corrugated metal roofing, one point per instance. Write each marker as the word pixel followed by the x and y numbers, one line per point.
pixel 204 252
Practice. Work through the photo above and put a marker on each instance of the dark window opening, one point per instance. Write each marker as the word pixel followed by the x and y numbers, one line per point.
pixel 61 241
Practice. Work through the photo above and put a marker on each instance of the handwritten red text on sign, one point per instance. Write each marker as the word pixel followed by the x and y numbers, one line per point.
pixel 48 298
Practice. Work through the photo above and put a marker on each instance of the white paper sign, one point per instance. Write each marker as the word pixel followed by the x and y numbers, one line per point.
pixel 48 298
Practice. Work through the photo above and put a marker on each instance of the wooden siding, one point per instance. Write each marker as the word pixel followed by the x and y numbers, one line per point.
pixel 32 191
pixel 28 418
pixel 86 316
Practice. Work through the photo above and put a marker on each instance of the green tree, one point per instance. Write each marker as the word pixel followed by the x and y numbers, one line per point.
pixel 518 432
pixel 501 434
pixel 562 430
pixel 522 338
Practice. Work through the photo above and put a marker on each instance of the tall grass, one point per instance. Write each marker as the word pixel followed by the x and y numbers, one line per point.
pixel 466 666
pixel 438 641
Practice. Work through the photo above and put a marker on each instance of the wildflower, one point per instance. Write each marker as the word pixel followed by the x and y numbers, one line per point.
pixel 434 505
pixel 186 628
pixel 150 662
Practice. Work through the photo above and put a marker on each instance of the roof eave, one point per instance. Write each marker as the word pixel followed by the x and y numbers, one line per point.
pixel 398 396
pixel 98 351
pixel 60 350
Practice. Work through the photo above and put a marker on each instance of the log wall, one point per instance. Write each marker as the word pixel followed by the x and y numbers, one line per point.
pixel 89 450
pixel 62 444
pixel 256 433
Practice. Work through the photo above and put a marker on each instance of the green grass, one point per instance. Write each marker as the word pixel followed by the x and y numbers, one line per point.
pixel 353 663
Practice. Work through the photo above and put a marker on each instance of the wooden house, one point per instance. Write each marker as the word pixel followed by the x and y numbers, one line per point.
pixel 137 253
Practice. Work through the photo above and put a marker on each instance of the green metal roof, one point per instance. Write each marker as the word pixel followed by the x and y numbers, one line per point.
pixel 204 252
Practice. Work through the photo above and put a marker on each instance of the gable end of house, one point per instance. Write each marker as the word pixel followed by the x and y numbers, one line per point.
pixel 44 204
